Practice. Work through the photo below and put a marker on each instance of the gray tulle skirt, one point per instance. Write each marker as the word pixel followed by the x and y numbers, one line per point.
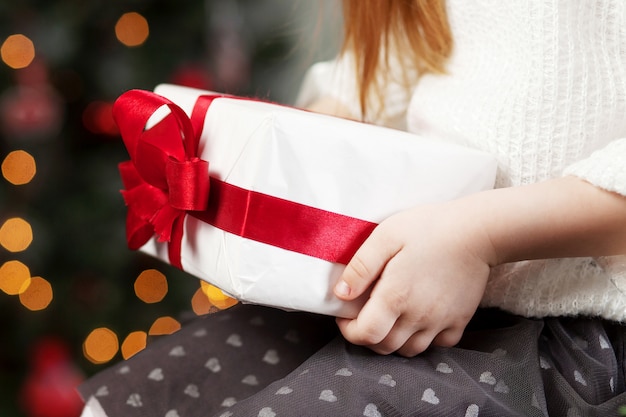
pixel 257 361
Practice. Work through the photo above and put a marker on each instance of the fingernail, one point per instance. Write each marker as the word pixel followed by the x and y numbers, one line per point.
pixel 342 289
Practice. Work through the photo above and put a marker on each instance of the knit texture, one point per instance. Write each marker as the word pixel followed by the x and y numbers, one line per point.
pixel 541 84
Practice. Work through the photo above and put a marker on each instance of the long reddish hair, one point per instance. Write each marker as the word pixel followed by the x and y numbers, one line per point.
pixel 417 28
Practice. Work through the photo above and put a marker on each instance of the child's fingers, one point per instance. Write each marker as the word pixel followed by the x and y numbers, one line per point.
pixel 370 327
pixel 365 266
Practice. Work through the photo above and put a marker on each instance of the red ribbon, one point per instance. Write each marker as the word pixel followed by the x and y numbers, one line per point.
pixel 165 180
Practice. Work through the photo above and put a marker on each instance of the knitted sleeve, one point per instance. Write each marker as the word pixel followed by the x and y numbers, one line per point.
pixel 337 79
pixel 605 168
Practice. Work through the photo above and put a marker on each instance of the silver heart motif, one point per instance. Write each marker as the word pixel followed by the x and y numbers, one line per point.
pixel 328 395
pixel 200 333
pixel 124 370
pixel 229 402
pixel 472 411
pixel 103 391
pixel 344 372
pixel 580 378
pixel 271 357
pixel 603 343
pixel 134 400
pixel 172 413
pixel 387 380
pixel 177 352
pixel 234 340
pixel 284 391
pixel 213 365
pixel 267 412
pixel 192 391
pixel 371 411
pixel 444 368
pixel 501 387
pixel 487 378
pixel 499 352
pixel 250 380
pixel 156 374
pixel 430 397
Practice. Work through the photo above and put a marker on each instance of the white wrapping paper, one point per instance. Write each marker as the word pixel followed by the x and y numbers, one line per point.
pixel 342 166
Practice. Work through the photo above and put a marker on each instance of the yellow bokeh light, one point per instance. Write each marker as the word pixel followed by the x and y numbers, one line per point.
pixel 19 167
pixel 132 29
pixel 14 277
pixel 101 345
pixel 134 343
pixel 151 286
pixel 17 51
pixel 38 295
pixel 16 235
pixel 164 325
pixel 216 296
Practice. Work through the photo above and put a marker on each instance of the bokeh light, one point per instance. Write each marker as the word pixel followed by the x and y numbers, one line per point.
pixel 38 295
pixel 101 345
pixel 19 167
pixel 134 343
pixel 14 277
pixel 151 286
pixel 164 325
pixel 200 303
pixel 16 234
pixel 98 118
pixel 132 29
pixel 216 296
pixel 17 51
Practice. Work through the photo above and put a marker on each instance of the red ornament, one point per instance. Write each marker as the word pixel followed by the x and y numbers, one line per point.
pixel 192 75
pixel 50 387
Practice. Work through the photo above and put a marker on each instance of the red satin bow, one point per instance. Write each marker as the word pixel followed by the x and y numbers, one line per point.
pixel 164 178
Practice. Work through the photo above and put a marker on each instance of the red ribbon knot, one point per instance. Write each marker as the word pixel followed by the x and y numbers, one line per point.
pixel 164 177
pixel 188 184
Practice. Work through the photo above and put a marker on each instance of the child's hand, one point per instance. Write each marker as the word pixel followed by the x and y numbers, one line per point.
pixel 428 268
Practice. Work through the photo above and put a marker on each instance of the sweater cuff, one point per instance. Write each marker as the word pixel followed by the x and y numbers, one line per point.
pixel 605 168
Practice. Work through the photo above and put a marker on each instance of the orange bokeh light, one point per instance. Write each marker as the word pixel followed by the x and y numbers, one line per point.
pixel 151 286
pixel 134 343
pixel 19 167
pixel 200 303
pixel 101 345
pixel 16 235
pixel 17 51
pixel 14 277
pixel 164 325
pixel 132 29
pixel 38 295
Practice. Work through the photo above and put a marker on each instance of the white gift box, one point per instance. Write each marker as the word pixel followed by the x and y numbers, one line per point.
pixel 340 166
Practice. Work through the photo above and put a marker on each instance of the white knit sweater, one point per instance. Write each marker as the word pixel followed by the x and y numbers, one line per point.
pixel 541 84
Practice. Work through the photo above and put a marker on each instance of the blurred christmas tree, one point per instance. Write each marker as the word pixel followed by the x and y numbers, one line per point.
pixel 61 214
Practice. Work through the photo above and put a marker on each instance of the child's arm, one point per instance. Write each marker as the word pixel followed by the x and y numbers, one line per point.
pixel 430 265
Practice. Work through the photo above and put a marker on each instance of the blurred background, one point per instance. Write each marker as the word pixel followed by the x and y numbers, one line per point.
pixel 73 298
